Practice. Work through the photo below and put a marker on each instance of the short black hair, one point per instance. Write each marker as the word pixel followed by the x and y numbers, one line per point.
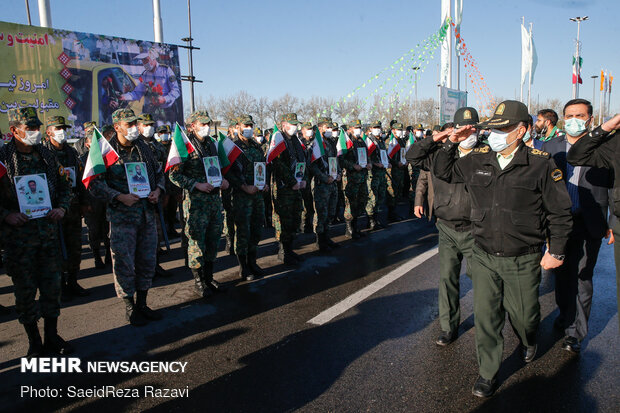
pixel 550 115
pixel 32 181
pixel 447 126
pixel 579 102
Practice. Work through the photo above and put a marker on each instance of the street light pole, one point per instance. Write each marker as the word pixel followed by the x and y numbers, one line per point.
pixel 577 54
pixel 416 68
pixel 190 48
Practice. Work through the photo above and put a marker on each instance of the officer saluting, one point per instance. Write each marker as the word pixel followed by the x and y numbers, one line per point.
pixel 518 196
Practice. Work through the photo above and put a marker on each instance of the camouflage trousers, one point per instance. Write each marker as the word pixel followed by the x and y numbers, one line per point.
pixel 377 191
pixel 97 223
pixel 415 173
pixel 249 213
pixel 229 216
pixel 307 215
pixel 134 251
pixel 325 202
pixel 287 207
pixel 395 186
pixel 203 227
pixel 33 260
pixel 356 197
pixel 72 232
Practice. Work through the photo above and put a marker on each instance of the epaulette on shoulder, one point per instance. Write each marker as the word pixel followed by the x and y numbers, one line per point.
pixel 482 149
pixel 540 153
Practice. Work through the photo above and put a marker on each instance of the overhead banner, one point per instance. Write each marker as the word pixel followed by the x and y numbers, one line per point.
pixel 451 100
pixel 85 76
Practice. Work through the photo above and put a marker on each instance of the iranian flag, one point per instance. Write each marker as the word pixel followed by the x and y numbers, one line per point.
pixel 410 141
pixel 2 170
pixel 370 144
pixel 101 156
pixel 227 151
pixel 318 147
pixel 577 70
pixel 180 148
pixel 344 143
pixel 393 146
pixel 276 145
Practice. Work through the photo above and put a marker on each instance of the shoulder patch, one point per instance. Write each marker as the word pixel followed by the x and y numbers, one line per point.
pixel 556 175
pixel 482 149
pixel 538 152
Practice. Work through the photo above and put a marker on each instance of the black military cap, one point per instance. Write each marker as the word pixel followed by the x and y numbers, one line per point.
pixel 466 116
pixel 509 112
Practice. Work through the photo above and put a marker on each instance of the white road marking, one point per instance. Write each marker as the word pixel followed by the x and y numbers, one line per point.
pixel 356 298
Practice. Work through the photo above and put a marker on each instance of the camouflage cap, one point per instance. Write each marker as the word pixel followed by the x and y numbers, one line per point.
pixel 258 132
pixel 198 116
pixel 124 115
pixel 290 118
pixel 306 125
pixel 27 116
pixel 163 129
pixel 324 120
pixel 418 126
pixel 146 119
pixel 376 124
pixel 57 121
pixel 232 122
pixel 356 124
pixel 397 125
pixel 89 125
pixel 107 128
pixel 245 120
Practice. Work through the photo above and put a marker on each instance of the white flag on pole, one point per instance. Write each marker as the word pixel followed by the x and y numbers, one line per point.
pixel 526 54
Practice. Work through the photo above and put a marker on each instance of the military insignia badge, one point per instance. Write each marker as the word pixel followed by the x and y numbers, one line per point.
pixel 556 175
pixel 467 114
pixel 500 109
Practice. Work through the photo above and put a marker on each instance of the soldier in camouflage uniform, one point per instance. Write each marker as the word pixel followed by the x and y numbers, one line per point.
pixel 133 230
pixel 267 195
pixel 247 199
pixel 146 127
pixel 377 184
pixel 174 194
pixel 340 203
pixel 307 215
pixel 229 216
pixel 287 200
pixel 356 189
pixel 398 170
pixel 32 258
pixel 324 186
pixel 202 204
pixel 72 222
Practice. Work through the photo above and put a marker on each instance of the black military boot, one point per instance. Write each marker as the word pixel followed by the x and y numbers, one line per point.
pixel 256 270
pixel 200 287
pixel 108 255
pixel 209 281
pixel 97 256
pixel 292 252
pixel 75 288
pixel 357 233
pixel 244 270
pixel 230 248
pixel 393 216
pixel 144 309
pixel 54 344
pixel 322 243
pixel 372 222
pixel 378 223
pixel 289 255
pixel 351 232
pixel 65 292
pixel 308 224
pixel 134 317
pixel 35 345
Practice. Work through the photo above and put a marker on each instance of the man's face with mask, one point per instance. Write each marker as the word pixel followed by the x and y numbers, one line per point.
pixel 20 131
pixel 123 128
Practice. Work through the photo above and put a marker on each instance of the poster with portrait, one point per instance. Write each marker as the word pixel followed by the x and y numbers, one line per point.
pixel 260 175
pixel 137 179
pixel 333 166
pixel 403 160
pixel 33 195
pixel 384 158
pixel 70 171
pixel 300 170
pixel 361 157
pixel 212 170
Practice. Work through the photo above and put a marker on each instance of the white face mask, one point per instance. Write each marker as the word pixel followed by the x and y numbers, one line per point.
pixel 247 133
pixel 60 136
pixel 149 131
pixel 260 139
pixel 132 134
pixel 399 133
pixel 376 132
pixel 308 133
pixel 357 132
pixel 32 138
pixel 203 131
pixel 291 130
pixel 328 133
pixel 383 135
pixel 419 134
pixel 470 142
pixel 497 140
pixel 164 137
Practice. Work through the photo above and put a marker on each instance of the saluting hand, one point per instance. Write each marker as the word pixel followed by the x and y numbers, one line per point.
pixel 612 124
pixel 460 134
pixel 549 263
pixel 442 135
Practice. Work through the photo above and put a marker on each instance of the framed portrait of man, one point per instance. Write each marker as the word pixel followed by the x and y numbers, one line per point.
pixel 362 160
pixel 384 158
pixel 403 160
pixel 137 179
pixel 33 195
pixel 260 175
pixel 212 170
pixel 300 170
pixel 70 171
pixel 333 166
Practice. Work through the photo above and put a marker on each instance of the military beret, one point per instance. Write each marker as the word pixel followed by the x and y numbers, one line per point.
pixel 290 118
pixel 124 115
pixel 146 119
pixel 27 116
pixel 57 121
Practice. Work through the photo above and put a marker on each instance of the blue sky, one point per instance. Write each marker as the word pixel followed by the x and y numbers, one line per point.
pixel 329 47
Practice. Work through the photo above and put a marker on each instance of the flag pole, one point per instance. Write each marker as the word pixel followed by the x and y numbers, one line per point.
pixel 601 98
pixel 529 86
pixel 522 24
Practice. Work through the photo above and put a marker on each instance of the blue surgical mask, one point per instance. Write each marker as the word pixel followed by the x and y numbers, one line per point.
pixel 575 127
pixel 526 137
pixel 497 140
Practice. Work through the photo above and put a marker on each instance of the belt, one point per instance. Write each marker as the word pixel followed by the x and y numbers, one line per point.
pixel 514 253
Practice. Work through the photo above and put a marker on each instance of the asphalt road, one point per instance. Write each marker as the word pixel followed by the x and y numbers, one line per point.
pixel 347 332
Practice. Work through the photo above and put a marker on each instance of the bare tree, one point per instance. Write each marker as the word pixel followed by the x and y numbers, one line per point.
pixel 261 112
pixel 281 106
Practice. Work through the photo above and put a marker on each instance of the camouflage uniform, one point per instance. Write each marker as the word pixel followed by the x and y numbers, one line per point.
pixel 377 184
pixel 287 201
pixel 173 193
pixel 396 180
pixel 133 230
pixel 356 189
pixel 72 221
